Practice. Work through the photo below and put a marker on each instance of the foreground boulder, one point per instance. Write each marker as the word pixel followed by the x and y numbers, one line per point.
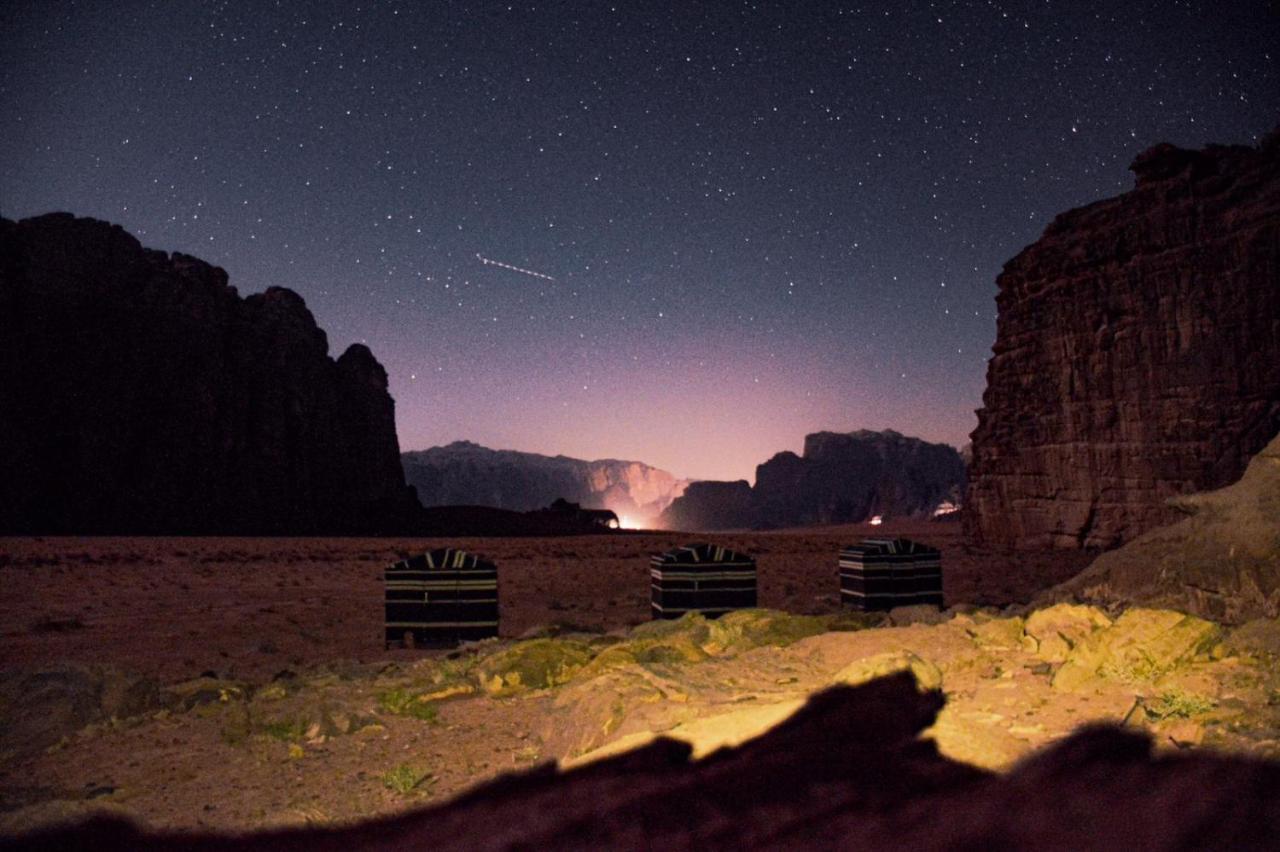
pixel 1222 562
pixel 1137 354
pixel 140 394
pixel 848 768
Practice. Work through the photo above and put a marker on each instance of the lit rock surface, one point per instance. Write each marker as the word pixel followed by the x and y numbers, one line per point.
pixel 846 768
pixel 780 757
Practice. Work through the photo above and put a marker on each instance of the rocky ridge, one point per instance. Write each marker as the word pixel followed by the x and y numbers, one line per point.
pixel 140 394
pixel 467 474
pixel 840 478
pixel 1137 354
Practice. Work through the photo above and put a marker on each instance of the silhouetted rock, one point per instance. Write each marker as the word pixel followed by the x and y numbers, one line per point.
pixel 1222 562
pixel 841 478
pixel 463 473
pixel 1137 354
pixel 848 769
pixel 140 394
pixel 711 505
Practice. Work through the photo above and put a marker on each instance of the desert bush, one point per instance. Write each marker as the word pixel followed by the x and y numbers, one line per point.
pixel 404 779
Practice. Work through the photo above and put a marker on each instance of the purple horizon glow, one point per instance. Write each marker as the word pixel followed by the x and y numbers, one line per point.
pixel 761 220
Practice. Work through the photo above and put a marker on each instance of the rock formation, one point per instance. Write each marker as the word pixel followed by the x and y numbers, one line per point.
pixel 841 478
pixel 140 394
pixel 463 473
pixel 1137 354
pixel 1222 562
pixel 849 768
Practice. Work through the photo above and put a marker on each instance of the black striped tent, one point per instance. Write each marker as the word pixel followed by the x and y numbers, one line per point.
pixel 882 573
pixel 704 578
pixel 441 598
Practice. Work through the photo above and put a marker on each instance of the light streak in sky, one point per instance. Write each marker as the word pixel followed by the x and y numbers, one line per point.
pixel 487 262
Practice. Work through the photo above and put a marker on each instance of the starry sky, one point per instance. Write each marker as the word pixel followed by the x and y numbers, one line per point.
pixel 749 221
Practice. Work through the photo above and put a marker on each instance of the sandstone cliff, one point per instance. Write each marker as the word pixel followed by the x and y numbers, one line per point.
pixel 139 393
pixel 1221 562
pixel 1137 354
pixel 841 478
pixel 463 473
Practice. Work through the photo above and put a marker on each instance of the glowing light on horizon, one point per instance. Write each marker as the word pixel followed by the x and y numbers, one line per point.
pixel 946 507
pixel 876 521
pixel 625 522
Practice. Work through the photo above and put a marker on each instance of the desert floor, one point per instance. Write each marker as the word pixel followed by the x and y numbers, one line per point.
pixel 282 706
pixel 172 608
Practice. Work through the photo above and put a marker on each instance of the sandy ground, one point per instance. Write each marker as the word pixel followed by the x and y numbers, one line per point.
pixel 173 608
pixel 258 610
pixel 294 715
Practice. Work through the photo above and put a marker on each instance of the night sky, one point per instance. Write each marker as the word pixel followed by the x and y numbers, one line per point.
pixel 754 220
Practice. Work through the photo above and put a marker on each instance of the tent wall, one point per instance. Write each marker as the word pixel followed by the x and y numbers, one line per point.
pixel 881 574
pixel 441 598
pixel 701 578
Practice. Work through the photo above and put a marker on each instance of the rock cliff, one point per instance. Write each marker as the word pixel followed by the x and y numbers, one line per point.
pixel 841 478
pixel 1137 354
pixel 463 473
pixel 1220 562
pixel 140 394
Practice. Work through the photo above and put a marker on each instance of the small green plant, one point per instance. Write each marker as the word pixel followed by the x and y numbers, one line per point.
pixel 404 779
pixel 286 730
pixel 1178 704
pixel 401 702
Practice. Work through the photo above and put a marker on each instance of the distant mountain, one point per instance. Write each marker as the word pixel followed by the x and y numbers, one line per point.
pixel 841 478
pixel 464 473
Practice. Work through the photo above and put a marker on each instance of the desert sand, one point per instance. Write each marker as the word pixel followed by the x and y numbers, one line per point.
pixel 172 608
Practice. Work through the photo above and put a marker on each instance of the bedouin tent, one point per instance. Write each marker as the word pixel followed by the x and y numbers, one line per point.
pixel 882 573
pixel 441 598
pixel 704 578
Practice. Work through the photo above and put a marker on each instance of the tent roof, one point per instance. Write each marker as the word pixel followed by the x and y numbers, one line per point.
pixel 701 553
pixel 889 547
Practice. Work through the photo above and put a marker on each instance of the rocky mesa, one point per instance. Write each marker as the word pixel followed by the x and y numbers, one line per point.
pixel 840 478
pixel 467 474
pixel 140 394
pixel 1137 354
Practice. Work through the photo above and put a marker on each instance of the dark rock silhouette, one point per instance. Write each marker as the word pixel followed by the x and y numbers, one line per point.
pixel 464 473
pixel 847 770
pixel 140 394
pixel 1137 354
pixel 841 478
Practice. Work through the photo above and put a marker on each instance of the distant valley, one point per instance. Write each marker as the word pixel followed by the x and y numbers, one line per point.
pixel 840 478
